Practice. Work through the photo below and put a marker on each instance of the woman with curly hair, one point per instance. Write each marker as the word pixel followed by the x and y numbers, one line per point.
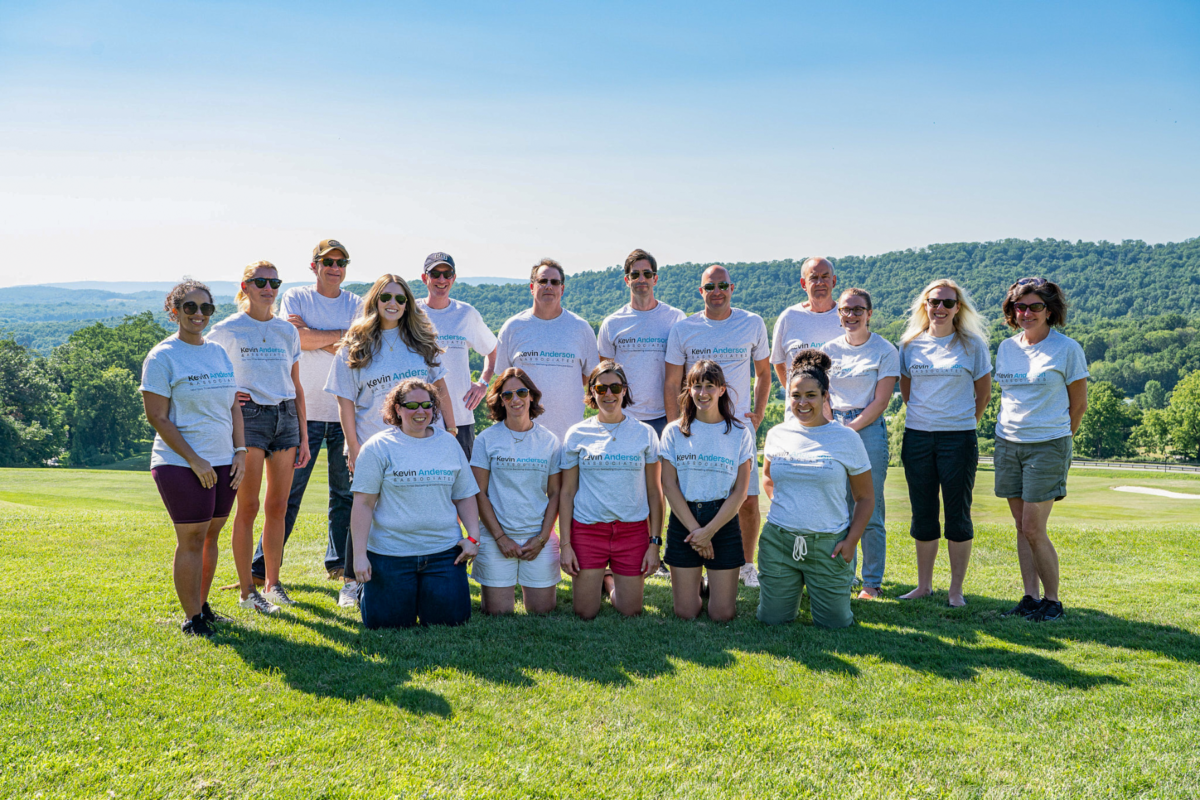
pixel 412 485
pixel 515 463
pixel 199 455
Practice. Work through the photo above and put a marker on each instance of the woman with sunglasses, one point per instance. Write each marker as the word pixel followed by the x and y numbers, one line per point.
pixel 708 456
pixel 412 486
pixel 1043 396
pixel 610 507
pixel 265 351
pixel 516 467
pixel 946 383
pixel 812 528
pixel 861 382
pixel 199 454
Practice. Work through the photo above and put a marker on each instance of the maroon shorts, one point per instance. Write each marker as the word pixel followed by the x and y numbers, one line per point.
pixel 186 500
pixel 621 544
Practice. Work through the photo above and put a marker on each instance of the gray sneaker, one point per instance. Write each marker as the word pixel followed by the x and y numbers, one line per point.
pixel 278 595
pixel 749 575
pixel 256 602
pixel 350 594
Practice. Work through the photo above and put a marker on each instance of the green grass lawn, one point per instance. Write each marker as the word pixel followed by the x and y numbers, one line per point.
pixel 101 696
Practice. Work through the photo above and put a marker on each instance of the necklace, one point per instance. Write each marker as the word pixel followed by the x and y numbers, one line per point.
pixel 612 432
pixel 383 337
pixel 513 434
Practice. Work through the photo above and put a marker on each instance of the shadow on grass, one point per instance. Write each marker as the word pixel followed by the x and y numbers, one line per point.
pixel 349 662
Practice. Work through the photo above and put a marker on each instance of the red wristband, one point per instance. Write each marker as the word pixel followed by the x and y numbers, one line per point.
pixel 472 539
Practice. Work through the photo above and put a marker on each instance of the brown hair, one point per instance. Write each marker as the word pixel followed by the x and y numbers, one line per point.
pixel 640 255
pixel 705 370
pixel 604 367
pixel 365 337
pixel 495 404
pixel 548 262
pixel 181 290
pixel 396 396
pixel 813 364
pixel 1050 293
pixel 854 291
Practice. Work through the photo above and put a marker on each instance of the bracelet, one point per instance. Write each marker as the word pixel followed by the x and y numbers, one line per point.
pixel 472 539
pixel 237 450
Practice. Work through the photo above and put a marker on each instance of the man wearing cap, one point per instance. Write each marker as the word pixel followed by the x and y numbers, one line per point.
pixel 322 313
pixel 807 325
pixel 459 328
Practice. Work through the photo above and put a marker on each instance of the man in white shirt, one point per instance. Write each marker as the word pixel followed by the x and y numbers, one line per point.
pixel 737 340
pixel 808 325
pixel 635 336
pixel 556 348
pixel 460 328
pixel 322 313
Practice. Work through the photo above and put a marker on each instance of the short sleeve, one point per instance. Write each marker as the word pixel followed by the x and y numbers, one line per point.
pixel 604 345
pixel 369 468
pixel 341 378
pixel 480 455
pixel 569 457
pixel 777 354
pixel 651 444
pixel 750 451
pixel 483 341
pixel 436 373
pixel 983 359
pixel 296 349
pixel 857 462
pixel 675 354
pixel 464 482
pixel 903 358
pixel 1075 368
pixel 156 375
pixel 889 361
pixel 503 348
pixel 288 304
pixel 666 448
pixel 591 356
pixel 554 455
pixel 761 348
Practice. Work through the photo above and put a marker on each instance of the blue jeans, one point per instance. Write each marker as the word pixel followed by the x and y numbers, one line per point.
pixel 874 540
pixel 338 553
pixel 405 589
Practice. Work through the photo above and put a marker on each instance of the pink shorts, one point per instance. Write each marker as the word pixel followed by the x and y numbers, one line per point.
pixel 620 544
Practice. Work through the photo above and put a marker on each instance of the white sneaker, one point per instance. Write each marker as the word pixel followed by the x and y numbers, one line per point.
pixel 749 575
pixel 256 602
pixel 278 595
pixel 349 595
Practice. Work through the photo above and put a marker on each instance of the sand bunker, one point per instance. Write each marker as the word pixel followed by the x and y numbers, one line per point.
pixel 1156 492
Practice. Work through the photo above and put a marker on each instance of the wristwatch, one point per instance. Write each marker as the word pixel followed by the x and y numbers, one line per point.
pixel 656 540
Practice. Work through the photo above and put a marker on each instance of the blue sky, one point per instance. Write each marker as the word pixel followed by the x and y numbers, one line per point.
pixel 144 141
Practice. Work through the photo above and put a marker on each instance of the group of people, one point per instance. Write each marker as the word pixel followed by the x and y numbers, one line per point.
pixel 384 384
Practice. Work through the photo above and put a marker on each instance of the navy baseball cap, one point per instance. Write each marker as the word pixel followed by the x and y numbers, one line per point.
pixel 437 259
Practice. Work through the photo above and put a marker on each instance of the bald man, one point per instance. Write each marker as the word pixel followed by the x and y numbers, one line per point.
pixel 737 340
pixel 809 324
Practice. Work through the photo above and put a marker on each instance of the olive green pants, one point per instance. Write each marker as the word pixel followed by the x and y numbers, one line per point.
pixel 788 561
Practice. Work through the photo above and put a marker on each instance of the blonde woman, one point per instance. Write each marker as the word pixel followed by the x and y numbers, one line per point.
pixel 946 382
pixel 265 352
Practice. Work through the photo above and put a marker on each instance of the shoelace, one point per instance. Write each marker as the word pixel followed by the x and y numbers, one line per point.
pixel 799 549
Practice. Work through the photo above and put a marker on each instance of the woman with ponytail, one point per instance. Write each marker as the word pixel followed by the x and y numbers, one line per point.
pixel 810 536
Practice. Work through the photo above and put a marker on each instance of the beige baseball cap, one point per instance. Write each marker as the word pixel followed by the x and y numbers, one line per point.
pixel 326 246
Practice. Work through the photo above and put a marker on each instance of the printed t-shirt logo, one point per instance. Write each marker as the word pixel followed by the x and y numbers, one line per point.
pixel 719 354
pixel 207 380
pixel 546 358
pixel 415 477
pixel 1019 378
pixel 929 371
pixel 802 459
pixel 384 382
pixel 527 464
pixel 452 341
pixel 589 460
pixel 262 353
pixel 704 462
pixel 637 344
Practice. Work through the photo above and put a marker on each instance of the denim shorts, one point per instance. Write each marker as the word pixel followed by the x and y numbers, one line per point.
pixel 271 428
pixel 726 543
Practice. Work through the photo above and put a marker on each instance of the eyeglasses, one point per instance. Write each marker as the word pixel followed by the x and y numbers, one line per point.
pixel 413 405
pixel 852 311
pixel 508 395
pixel 551 281
pixel 262 282
pixel 604 388
pixel 1034 307
pixel 190 307
pixel 647 273
pixel 329 262
pixel 1031 282
pixel 441 275
pixel 946 303
pixel 386 297
pixel 723 286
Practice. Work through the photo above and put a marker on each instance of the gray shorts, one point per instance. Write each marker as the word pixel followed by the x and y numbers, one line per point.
pixel 1033 471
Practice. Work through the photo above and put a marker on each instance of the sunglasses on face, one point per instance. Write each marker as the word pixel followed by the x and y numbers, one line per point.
pixel 723 286
pixel 190 307
pixel 442 274
pixel 262 282
pixel 947 304
pixel 386 297
pixel 604 388
pixel 550 281
pixel 329 262
pixel 508 395
pixel 852 311
pixel 413 405
pixel 635 274
pixel 1034 307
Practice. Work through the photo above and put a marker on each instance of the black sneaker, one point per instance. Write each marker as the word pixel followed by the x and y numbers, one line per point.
pixel 210 616
pixel 196 626
pixel 1025 608
pixel 1047 611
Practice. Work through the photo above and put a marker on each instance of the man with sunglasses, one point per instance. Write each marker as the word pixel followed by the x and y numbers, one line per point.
pixel 556 348
pixel 460 328
pixel 321 313
pixel 807 325
pixel 635 336
pixel 737 340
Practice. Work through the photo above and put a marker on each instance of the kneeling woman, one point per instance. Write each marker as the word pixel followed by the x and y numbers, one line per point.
pixel 810 536
pixel 515 463
pixel 707 458
pixel 411 484
pixel 610 508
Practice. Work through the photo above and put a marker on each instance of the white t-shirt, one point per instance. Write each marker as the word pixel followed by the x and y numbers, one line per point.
pixel 612 472
pixel 321 314
pixel 809 467
pixel 417 481
pixel 942 372
pixel 1033 387
pixel 735 343
pixel 460 328
pixel 557 354
pixel 199 382
pixel 262 354
pixel 368 386
pixel 798 329
pixel 517 474
pixel 857 370
pixel 707 461
pixel 637 340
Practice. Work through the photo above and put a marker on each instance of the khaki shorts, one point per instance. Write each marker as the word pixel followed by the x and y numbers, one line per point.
pixel 1033 471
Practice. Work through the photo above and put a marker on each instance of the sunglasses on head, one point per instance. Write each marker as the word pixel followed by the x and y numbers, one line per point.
pixel 946 303
pixel 852 311
pixel 441 274
pixel 550 281
pixel 1031 282
pixel 329 262
pixel 1034 307
pixel 386 297
pixel 413 405
pixel 635 274
pixel 190 307
pixel 262 282
pixel 508 395
pixel 604 388
pixel 723 286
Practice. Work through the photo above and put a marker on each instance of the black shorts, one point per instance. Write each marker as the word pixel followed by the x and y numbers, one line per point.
pixel 271 428
pixel 727 543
